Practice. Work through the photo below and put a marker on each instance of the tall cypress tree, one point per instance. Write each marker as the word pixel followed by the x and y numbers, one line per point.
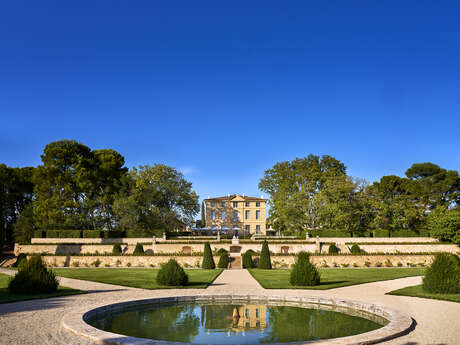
pixel 265 262
pixel 203 215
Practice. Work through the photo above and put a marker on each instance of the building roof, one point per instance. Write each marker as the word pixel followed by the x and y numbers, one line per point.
pixel 233 196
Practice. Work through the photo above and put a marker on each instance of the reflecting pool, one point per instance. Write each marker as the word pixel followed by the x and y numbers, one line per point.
pixel 234 323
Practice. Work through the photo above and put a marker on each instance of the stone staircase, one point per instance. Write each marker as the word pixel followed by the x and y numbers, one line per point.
pixel 235 262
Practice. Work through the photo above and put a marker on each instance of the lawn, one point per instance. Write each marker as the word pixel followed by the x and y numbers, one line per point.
pixel 417 291
pixel 333 278
pixel 7 297
pixel 144 278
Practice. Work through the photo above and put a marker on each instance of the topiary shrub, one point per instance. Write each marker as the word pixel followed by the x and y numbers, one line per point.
pixel 33 277
pixel 333 249
pixel 223 260
pixel 264 260
pixel 222 251
pixel 247 259
pixel 304 273
pixel 443 276
pixel 171 274
pixel 208 260
pixel 355 250
pixel 116 249
pixel 139 250
pixel 22 258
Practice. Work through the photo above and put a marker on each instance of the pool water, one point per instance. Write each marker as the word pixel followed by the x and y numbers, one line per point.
pixel 233 323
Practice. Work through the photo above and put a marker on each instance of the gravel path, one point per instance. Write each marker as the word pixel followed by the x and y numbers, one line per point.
pixel 38 321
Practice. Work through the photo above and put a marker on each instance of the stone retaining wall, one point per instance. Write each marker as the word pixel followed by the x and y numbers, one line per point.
pixel 189 248
pixel 195 261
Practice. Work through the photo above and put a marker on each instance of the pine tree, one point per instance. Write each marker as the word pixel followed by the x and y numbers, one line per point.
pixel 265 261
pixel 203 215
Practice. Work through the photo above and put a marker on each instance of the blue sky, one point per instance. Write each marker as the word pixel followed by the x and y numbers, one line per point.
pixel 223 90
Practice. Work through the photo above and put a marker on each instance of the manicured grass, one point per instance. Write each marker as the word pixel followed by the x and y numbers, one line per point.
pixel 417 291
pixel 7 297
pixel 144 278
pixel 333 278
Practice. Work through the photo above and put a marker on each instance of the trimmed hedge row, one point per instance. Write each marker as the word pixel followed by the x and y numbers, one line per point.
pixel 92 233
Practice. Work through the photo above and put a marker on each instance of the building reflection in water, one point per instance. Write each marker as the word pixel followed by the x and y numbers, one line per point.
pixel 236 318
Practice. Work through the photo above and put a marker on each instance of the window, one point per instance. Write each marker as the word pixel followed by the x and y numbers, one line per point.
pixel 222 204
pixel 246 313
pixel 213 204
pixel 213 214
pixel 257 229
pixel 257 204
pixel 247 228
pixel 257 312
pixel 247 204
pixel 257 214
pixel 247 214
pixel 223 215
pixel 235 204
pixel 235 216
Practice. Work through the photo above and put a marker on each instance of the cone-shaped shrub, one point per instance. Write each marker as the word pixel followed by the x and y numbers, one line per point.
pixel 333 249
pixel 139 250
pixel 116 249
pixel 264 261
pixel 172 274
pixel 22 258
pixel 221 251
pixel 208 260
pixel 355 250
pixel 247 260
pixel 304 273
pixel 223 260
pixel 33 277
pixel 443 276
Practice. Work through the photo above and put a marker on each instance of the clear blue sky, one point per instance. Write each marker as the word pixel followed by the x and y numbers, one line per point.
pixel 223 90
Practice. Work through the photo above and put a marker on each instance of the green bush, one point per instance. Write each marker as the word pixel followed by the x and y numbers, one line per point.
pixel 208 260
pixel 112 234
pixel 39 234
pixel 333 249
pixel 116 250
pixel 355 250
pixel 63 233
pixel 304 273
pixel 264 260
pixel 381 233
pixel 171 274
pixel 91 234
pixel 443 276
pixel 139 250
pixel 223 260
pixel 33 277
pixel 247 259
pixel 22 258
pixel 222 251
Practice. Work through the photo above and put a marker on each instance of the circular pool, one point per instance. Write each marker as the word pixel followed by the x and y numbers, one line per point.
pixel 239 320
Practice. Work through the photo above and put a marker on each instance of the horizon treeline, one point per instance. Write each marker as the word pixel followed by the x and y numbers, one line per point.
pixel 83 189
pixel 315 192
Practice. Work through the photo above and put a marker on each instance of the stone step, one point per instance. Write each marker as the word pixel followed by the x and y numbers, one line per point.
pixel 235 262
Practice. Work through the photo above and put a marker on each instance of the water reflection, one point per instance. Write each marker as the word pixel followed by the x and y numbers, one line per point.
pixel 233 323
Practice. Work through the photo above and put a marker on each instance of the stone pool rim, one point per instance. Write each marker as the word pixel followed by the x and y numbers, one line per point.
pixel 398 323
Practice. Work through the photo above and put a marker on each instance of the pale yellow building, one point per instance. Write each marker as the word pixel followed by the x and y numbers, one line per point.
pixel 236 212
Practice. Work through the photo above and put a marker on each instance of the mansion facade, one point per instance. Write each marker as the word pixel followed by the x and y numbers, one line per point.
pixel 244 214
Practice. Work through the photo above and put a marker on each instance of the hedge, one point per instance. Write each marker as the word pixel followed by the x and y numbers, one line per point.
pixel 91 233
pixel 112 234
pixel 63 233
pixel 39 234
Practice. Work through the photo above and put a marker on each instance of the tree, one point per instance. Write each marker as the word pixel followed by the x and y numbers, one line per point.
pixel 155 197
pixel 208 260
pixel 292 186
pixel 265 262
pixel 444 224
pixel 203 216
pixel 16 191
pixel 393 204
pixel 343 204
pixel 434 186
